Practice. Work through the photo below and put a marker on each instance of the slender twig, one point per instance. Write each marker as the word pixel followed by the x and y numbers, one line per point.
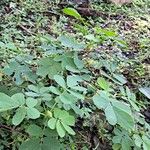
pixel 96 147
pixel 10 129
pixel 6 127
pixel 25 29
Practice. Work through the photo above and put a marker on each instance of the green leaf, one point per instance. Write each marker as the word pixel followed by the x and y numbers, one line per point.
pixel 43 90
pixel 72 12
pixel 116 146
pixel 19 97
pixel 123 137
pixel 116 112
pixel 52 123
pixel 76 94
pixel 7 103
pixel 31 144
pixel 101 101
pixel 11 46
pixel 2 45
pixel 72 69
pixel 146 142
pixel 71 43
pixel 122 106
pixel 79 88
pixel 137 140
pixel 124 119
pixel 110 114
pixel 128 92
pixel 120 78
pixel 60 129
pixel 50 143
pixel 133 104
pixel 19 72
pixel 116 139
pixel 146 146
pixel 31 102
pixel 33 113
pixel 67 98
pixel 34 130
pixel 91 37
pixel 72 80
pixel 126 145
pixel 66 59
pixel 118 136
pixel 68 129
pixel 145 91
pixel 78 62
pixel 32 94
pixel 19 116
pixel 54 90
pixel 47 66
pixel 57 112
pixel 60 80
pixel 103 83
pixel 107 32
pixel 33 88
pixel 66 118
pixel 109 77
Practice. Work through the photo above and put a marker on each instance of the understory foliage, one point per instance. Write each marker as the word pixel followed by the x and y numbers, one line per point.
pixel 66 84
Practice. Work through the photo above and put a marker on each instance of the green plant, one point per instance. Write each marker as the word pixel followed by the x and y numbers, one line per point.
pixel 59 90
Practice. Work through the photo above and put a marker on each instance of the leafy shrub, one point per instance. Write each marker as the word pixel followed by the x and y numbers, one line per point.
pixel 47 95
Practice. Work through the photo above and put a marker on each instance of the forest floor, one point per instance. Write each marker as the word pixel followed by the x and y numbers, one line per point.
pixel 125 39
